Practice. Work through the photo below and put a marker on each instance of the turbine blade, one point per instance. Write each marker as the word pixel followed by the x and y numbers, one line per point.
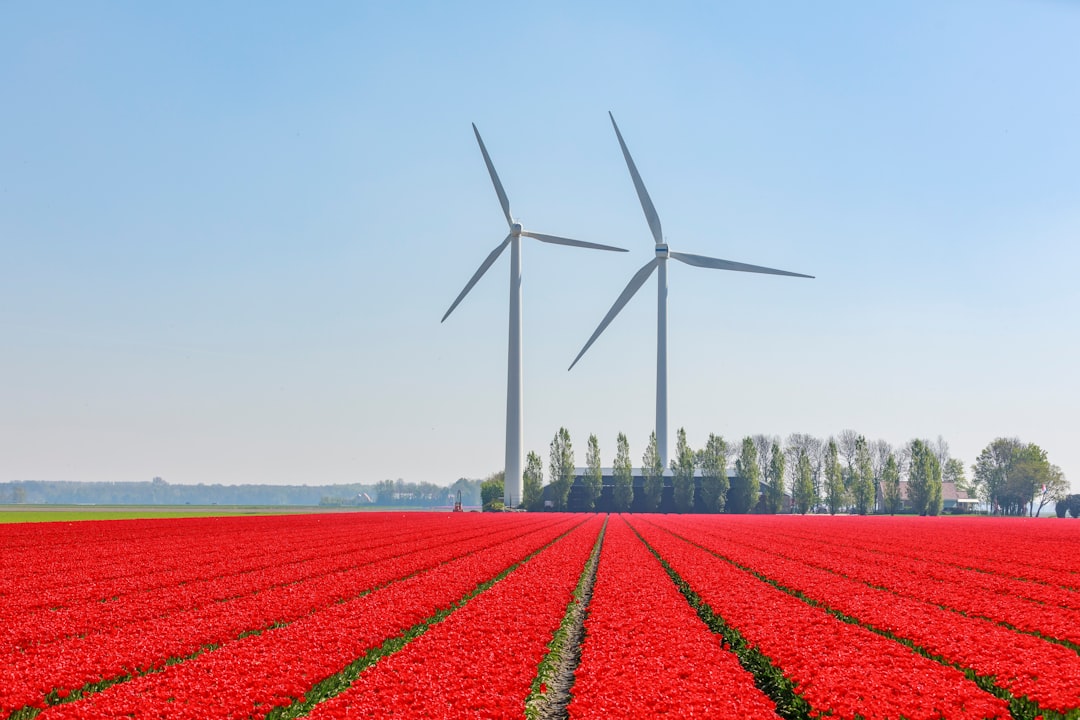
pixel 643 194
pixel 555 240
pixel 478 274
pixel 494 178
pixel 632 287
pixel 708 262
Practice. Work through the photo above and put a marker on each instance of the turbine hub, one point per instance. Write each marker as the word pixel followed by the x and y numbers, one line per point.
pixel 662 251
pixel 515 229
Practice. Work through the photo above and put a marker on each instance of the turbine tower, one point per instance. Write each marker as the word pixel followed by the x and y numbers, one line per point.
pixel 659 263
pixel 512 469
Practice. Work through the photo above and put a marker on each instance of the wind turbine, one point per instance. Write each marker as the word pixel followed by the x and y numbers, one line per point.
pixel 512 477
pixel 660 263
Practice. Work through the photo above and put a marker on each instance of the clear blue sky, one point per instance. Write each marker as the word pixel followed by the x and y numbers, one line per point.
pixel 228 231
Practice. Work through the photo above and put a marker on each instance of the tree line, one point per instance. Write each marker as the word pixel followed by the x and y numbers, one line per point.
pixel 841 473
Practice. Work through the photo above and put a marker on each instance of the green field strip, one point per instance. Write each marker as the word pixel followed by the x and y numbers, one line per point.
pixel 554 680
pixel 116 513
pixel 767 677
pixel 341 681
pixel 1021 708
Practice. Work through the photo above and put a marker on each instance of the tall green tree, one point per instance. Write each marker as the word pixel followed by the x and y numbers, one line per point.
pixel 623 495
pixel 924 479
pixel 594 476
pixel 890 485
pixel 745 498
pixel 652 470
pixel 561 467
pixel 532 479
pixel 835 492
pixel 1030 472
pixel 774 496
pixel 805 497
pixel 714 480
pixel 682 474
pixel 491 491
pixel 991 470
pixel 862 481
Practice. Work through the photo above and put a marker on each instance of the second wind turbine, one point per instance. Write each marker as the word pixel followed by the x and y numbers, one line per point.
pixel 512 469
pixel 660 263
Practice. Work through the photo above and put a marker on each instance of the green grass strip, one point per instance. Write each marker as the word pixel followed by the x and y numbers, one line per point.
pixel 550 692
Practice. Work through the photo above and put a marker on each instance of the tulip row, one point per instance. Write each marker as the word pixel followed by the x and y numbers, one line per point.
pixel 647 653
pixel 250 676
pixel 1022 665
pixel 23 628
pixel 1019 548
pixel 481 660
pixel 838 668
pixel 34 673
pixel 996 598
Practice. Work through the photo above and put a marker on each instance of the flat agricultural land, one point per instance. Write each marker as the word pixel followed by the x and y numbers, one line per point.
pixel 506 615
pixel 70 513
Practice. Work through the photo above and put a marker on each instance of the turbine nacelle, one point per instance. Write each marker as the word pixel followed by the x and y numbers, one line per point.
pixel 515 229
pixel 662 251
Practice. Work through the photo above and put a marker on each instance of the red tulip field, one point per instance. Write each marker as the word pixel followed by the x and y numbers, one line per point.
pixel 469 615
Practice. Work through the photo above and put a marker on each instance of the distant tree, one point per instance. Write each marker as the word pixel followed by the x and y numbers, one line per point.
pixel 682 474
pixel 1030 474
pixel 805 497
pixel 991 471
pixel 953 472
pixel 803 444
pixel 879 455
pixel 532 480
pixel 746 467
pixel 835 492
pixel 862 481
pixel 924 479
pixel 491 492
pixel 652 470
pixel 623 495
pixel 774 496
pixel 890 486
pixel 594 475
pixel 1055 489
pixel 847 443
pixel 714 480
pixel 763 444
pixel 384 492
pixel 561 466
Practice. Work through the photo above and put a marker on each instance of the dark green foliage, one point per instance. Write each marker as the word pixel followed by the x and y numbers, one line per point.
pixel 623 492
pixel 835 492
pixel 652 468
pixel 492 491
pixel 924 480
pixel 774 496
pixel 862 480
pixel 561 466
pixel 594 478
pixel 682 469
pixel 714 480
pixel 890 486
pixel 532 481
pixel 745 492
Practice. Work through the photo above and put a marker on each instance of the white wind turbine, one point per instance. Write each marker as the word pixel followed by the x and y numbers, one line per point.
pixel 660 263
pixel 512 481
